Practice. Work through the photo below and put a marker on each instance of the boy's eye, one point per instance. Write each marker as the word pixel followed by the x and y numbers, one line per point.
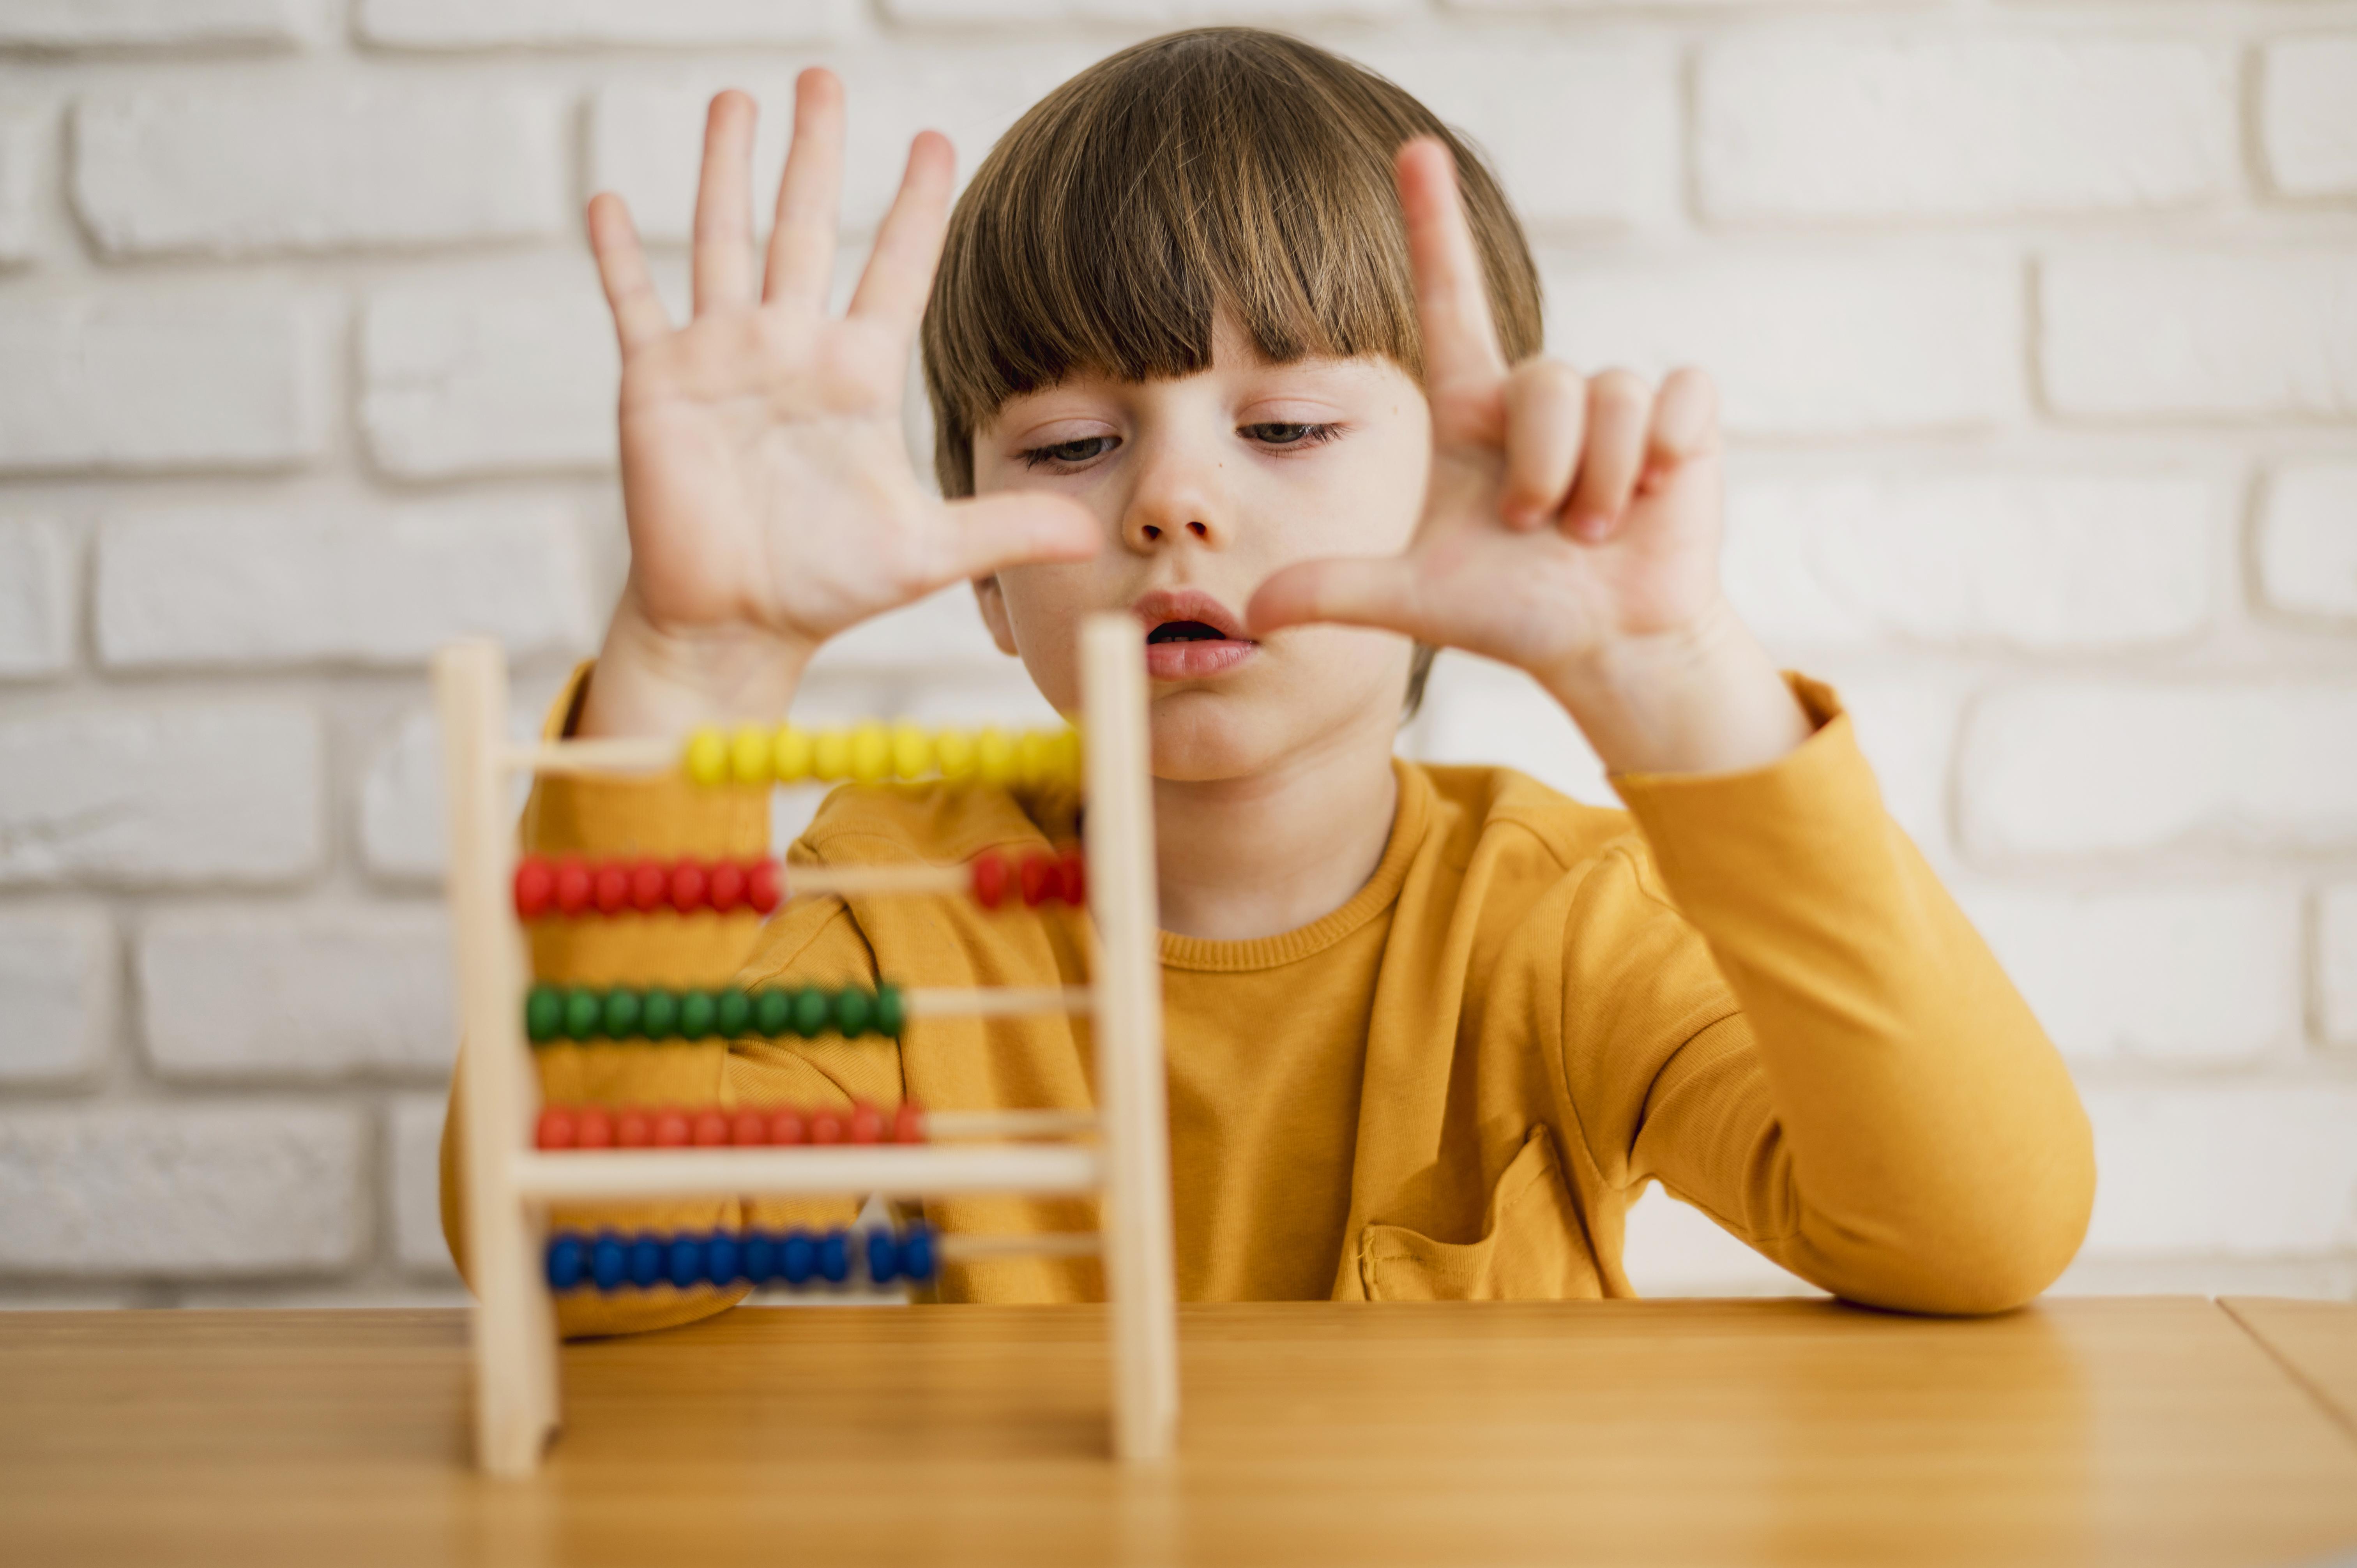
pixel 1081 451
pixel 1291 435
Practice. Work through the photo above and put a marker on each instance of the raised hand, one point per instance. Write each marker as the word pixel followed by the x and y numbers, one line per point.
pixel 1571 527
pixel 769 498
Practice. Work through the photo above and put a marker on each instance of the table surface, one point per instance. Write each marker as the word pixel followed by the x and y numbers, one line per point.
pixel 2146 1431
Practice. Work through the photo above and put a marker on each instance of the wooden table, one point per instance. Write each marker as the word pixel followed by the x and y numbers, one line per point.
pixel 2132 1431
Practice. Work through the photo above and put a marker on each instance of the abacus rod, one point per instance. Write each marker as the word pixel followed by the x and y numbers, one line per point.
pixel 610 753
pixel 942 1126
pixel 1044 1244
pixel 994 1000
pixel 895 1171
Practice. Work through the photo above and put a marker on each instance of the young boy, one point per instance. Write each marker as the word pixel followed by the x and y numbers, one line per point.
pixel 1236 335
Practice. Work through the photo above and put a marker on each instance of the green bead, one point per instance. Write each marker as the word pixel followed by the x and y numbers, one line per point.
pixel 889 1015
pixel 621 1020
pixel 813 1010
pixel 774 1010
pixel 731 1011
pixel 853 1009
pixel 695 1009
pixel 584 1011
pixel 658 1013
pixel 543 1013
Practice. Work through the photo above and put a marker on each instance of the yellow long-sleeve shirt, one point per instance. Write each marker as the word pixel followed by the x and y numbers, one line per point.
pixel 1748 987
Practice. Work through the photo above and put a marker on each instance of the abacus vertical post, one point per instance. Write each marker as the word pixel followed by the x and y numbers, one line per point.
pixel 515 1320
pixel 1127 1025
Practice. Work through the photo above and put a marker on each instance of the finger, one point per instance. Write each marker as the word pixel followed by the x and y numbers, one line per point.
pixel 1350 590
pixel 639 315
pixel 1686 427
pixel 1452 304
pixel 724 207
pixel 1013 528
pixel 1619 409
pixel 810 197
pixel 1546 415
pixel 901 269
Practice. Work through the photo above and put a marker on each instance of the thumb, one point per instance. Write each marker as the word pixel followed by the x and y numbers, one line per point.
pixel 1354 590
pixel 1014 529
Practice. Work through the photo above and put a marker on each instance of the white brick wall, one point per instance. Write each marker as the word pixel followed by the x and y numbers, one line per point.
pixel 2038 331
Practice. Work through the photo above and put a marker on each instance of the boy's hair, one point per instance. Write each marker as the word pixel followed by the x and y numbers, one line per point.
pixel 1224 166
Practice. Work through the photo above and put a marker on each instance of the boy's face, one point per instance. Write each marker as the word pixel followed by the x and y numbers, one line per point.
pixel 1205 484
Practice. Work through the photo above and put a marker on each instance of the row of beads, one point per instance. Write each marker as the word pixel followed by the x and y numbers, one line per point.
pixel 572 885
pixel 584 1013
pixel 870 753
pixel 671 1127
pixel 610 1260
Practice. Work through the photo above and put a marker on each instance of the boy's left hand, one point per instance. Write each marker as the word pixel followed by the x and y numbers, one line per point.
pixel 1571 527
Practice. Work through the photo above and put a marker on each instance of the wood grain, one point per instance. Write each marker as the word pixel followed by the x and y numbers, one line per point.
pixel 2316 1339
pixel 2148 1431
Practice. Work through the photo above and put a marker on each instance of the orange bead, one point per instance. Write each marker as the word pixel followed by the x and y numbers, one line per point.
pixel 990 879
pixel 672 1131
pixel 535 885
pixel 572 885
pixel 711 1129
pixel 723 885
pixel 867 1122
pixel 786 1126
pixel 633 1129
pixel 687 886
pixel 825 1127
pixel 649 886
pixel 1039 878
pixel 909 1123
pixel 1073 872
pixel 748 1127
pixel 593 1128
pixel 610 888
pixel 762 887
pixel 556 1130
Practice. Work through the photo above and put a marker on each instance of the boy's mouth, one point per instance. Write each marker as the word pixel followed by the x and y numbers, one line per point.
pixel 1189 635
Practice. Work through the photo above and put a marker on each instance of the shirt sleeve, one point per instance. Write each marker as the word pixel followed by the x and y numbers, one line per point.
pixel 1883 1115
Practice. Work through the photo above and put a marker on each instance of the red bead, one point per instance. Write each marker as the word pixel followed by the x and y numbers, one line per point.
pixel 761 885
pixel 593 1128
pixel 687 886
pixel 649 886
pixel 671 1129
pixel 989 879
pixel 535 885
pixel 748 1127
pixel 1039 878
pixel 909 1123
pixel 867 1122
pixel 633 1129
pixel 556 1129
pixel 572 885
pixel 825 1127
pixel 711 1129
pixel 786 1126
pixel 1074 873
pixel 725 885
pixel 610 885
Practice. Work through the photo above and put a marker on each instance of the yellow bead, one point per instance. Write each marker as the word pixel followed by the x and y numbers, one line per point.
pixel 912 751
pixel 1032 764
pixel 831 755
pixel 1064 758
pixel 749 756
pixel 994 757
pixel 953 755
pixel 871 751
pixel 791 748
pixel 707 756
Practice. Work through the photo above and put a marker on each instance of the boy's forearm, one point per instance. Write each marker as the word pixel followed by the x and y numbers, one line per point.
pixel 651 680
pixel 1705 700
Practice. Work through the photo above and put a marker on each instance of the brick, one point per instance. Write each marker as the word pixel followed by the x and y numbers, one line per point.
pixel 251 1188
pixel 203 791
pixel 320 167
pixel 413 1177
pixel 2232 333
pixel 2235 1170
pixel 38 607
pixel 2308 115
pixel 57 994
pixel 2105 766
pixel 173 379
pixel 472 23
pixel 1946 126
pixel 26 149
pixel 231 992
pixel 1673 1249
pixel 1856 343
pixel 401 792
pixel 2181 975
pixel 108 23
pixel 219 585
pixel 1544 109
pixel 2030 562
pixel 2307 541
pixel 2335 964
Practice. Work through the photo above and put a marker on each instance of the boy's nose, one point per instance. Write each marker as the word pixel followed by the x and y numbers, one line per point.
pixel 1168 507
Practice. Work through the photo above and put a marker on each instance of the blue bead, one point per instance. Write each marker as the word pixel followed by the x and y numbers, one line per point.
pixel 648 1256
pixel 686 1261
pixel 797 1257
pixel 720 1259
pixel 834 1257
pixel 758 1258
pixel 610 1260
pixel 566 1260
pixel 883 1256
pixel 917 1253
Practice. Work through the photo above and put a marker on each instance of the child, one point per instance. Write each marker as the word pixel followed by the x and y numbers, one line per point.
pixel 1235 335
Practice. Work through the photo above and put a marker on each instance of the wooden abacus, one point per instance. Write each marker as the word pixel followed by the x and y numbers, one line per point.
pixel 510 1180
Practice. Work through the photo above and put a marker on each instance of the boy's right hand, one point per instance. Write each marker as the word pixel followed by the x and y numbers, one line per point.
pixel 767 483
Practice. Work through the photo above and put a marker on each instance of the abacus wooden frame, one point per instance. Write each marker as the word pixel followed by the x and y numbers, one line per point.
pixel 510 1182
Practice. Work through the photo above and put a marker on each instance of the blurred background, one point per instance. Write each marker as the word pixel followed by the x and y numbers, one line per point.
pixel 2037 327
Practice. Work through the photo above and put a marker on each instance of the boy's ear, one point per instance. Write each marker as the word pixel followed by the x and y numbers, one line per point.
pixel 993 600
